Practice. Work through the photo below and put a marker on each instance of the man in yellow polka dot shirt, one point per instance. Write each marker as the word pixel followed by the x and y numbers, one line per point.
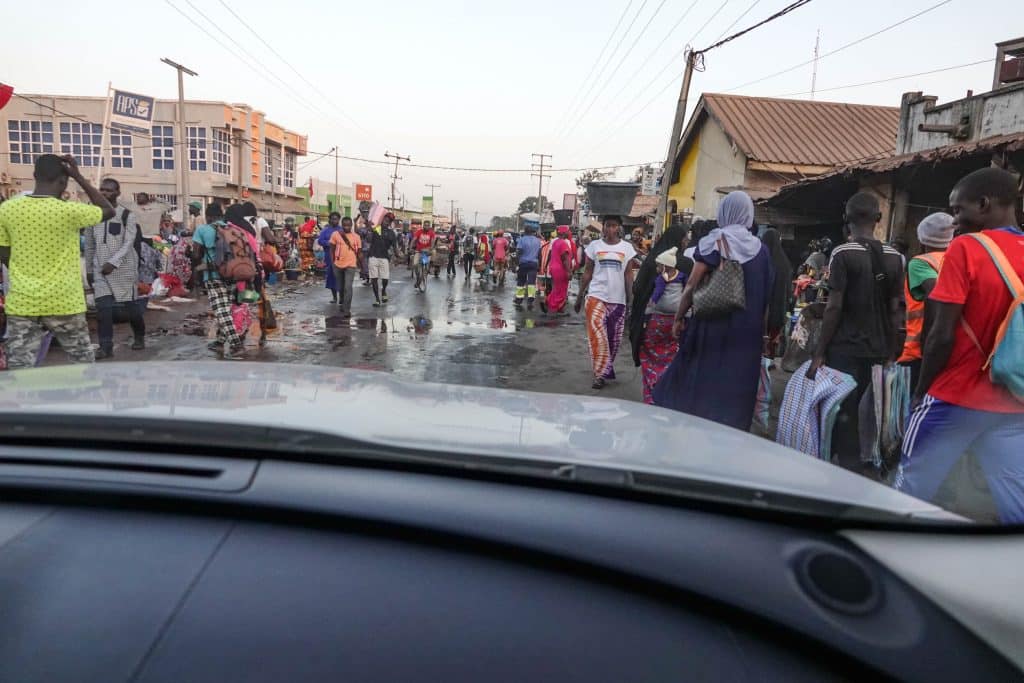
pixel 39 241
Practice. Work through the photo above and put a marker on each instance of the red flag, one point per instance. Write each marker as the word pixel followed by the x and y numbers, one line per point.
pixel 311 190
pixel 6 91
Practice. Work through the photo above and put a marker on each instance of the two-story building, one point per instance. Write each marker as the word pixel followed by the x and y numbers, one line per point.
pixel 232 152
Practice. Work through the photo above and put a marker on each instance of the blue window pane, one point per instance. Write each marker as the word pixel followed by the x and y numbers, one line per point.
pixel 48 137
pixel 127 163
pixel 15 158
pixel 12 125
pixel 65 127
pixel 169 165
pixel 76 149
pixel 37 149
pixel 13 136
pixel 35 125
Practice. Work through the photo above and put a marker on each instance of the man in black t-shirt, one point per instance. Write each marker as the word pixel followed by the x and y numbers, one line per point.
pixel 863 320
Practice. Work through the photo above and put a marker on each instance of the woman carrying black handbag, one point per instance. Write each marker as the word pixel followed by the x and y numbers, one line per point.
pixel 716 372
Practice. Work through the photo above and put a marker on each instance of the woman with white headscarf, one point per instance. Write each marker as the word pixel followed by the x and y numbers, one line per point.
pixel 716 372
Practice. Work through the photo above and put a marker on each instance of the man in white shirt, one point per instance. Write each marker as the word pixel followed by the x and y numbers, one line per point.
pixel 607 287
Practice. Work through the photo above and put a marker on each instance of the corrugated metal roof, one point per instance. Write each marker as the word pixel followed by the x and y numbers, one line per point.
pixel 805 132
pixel 1011 142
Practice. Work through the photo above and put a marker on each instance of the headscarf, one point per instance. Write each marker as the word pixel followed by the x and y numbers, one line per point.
pixel 778 302
pixel 936 230
pixel 643 285
pixel 735 216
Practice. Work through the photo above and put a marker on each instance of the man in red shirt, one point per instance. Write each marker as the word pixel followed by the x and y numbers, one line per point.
pixel 422 241
pixel 957 407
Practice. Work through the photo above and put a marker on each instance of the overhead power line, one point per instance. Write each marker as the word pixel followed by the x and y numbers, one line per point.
pixel 889 80
pixel 781 13
pixel 600 73
pixel 615 71
pixel 665 68
pixel 841 47
pixel 654 52
pixel 738 19
pixel 593 66
pixel 294 70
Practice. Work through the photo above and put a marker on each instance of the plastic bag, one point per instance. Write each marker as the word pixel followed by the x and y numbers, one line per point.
pixel 159 288
pixel 241 316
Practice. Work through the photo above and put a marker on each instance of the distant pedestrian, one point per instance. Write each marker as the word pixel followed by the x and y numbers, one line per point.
pixel 424 241
pixel 607 287
pixel 779 301
pixel 715 375
pixel 468 252
pixel 220 293
pixel 561 270
pixel 862 321
pixel 660 345
pixel 501 249
pixel 39 244
pixel 324 240
pixel 959 408
pixel 347 257
pixel 383 244
pixel 112 265
pixel 307 236
pixel 934 233
pixel 362 231
pixel 453 250
pixel 483 255
pixel 644 283
pixel 529 263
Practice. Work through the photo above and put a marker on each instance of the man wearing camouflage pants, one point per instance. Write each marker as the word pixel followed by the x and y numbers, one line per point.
pixel 39 240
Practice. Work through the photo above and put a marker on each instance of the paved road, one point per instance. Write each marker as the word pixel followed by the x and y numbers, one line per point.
pixel 456 333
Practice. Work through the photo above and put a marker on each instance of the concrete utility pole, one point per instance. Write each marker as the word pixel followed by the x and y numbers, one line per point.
pixel 394 176
pixel 673 143
pixel 452 202
pixel 183 159
pixel 540 183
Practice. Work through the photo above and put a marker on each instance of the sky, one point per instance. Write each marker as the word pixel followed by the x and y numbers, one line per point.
pixel 486 84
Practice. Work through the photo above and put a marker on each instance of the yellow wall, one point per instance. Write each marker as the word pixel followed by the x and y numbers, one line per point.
pixel 682 191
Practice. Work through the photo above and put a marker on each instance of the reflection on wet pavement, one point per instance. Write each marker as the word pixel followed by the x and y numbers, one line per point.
pixel 455 333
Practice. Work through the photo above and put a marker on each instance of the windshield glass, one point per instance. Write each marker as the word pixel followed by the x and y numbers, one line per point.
pixel 459 235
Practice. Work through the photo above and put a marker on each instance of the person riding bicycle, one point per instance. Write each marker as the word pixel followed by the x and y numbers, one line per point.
pixel 423 244
pixel 501 249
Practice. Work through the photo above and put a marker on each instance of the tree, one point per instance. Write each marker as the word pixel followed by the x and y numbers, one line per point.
pixel 529 205
pixel 503 223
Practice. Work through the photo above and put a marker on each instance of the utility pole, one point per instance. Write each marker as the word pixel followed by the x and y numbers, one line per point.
pixel 540 183
pixel 814 73
pixel 337 194
pixel 452 202
pixel 394 176
pixel 673 142
pixel 183 159
pixel 476 218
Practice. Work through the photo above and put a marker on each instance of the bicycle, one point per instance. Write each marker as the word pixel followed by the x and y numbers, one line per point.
pixel 421 270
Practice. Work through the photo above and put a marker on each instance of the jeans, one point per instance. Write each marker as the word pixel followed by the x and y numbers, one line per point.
pixel 451 263
pixel 846 436
pixel 467 263
pixel 105 320
pixel 344 277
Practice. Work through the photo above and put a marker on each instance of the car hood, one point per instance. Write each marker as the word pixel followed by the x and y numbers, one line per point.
pixel 449 420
